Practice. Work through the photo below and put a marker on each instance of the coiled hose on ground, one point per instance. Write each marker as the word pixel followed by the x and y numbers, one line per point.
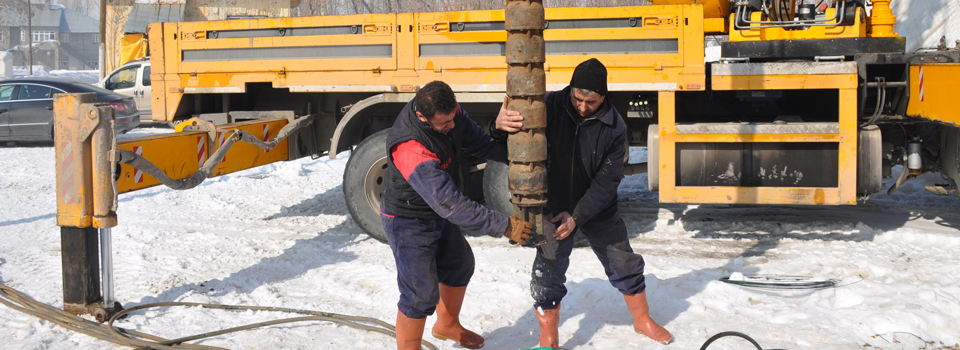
pixel 125 337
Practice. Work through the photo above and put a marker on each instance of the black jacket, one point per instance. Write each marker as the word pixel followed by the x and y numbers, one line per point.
pixel 600 147
pixel 435 184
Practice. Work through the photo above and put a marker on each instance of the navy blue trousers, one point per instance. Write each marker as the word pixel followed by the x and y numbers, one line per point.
pixel 427 252
pixel 607 235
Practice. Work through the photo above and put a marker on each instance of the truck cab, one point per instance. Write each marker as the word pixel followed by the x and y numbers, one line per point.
pixel 132 79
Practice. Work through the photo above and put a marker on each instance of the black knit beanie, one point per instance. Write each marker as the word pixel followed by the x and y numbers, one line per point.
pixel 590 75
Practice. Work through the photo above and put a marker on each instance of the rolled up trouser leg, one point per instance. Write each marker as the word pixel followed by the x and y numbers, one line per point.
pixel 549 275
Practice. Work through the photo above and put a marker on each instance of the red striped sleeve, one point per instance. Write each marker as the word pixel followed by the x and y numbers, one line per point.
pixel 408 154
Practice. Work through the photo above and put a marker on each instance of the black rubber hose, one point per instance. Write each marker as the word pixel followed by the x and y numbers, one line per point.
pixel 729 334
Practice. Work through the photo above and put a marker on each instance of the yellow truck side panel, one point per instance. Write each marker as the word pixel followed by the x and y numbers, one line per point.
pixel 711 8
pixel 845 193
pixel 394 53
pixel 168 153
pixel 933 92
pixel 784 82
pixel 180 155
pixel 846 138
pixel 244 155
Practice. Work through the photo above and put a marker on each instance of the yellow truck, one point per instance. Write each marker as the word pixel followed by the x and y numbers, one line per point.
pixel 806 105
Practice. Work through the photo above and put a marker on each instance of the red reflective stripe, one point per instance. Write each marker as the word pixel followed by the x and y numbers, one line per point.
pixel 408 154
pixel 387 215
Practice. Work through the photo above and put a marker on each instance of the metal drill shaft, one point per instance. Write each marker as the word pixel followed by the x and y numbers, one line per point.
pixel 526 88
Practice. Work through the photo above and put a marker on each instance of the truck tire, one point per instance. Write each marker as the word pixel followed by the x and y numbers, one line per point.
pixel 364 178
pixel 496 194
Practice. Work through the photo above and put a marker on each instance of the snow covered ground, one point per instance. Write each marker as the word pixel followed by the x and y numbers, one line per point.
pixel 280 235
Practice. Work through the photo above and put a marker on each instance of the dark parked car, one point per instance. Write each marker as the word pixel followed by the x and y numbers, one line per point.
pixel 26 107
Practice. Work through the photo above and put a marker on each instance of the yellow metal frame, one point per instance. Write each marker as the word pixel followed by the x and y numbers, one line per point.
pixel 711 8
pixel 715 13
pixel 377 29
pixel 845 193
pixel 658 23
pixel 244 155
pixel 857 30
pixel 933 94
pixel 683 70
pixel 169 152
pixel 179 155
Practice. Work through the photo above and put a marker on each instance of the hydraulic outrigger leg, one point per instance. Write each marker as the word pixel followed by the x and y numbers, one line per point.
pixel 85 143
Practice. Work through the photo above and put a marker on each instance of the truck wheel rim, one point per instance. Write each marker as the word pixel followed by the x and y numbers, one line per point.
pixel 374 180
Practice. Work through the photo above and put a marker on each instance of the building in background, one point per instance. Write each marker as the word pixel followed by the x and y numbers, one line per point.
pixel 62 38
pixel 4 35
pixel 13 13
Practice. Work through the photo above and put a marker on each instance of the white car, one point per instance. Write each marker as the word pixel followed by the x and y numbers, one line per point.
pixel 132 79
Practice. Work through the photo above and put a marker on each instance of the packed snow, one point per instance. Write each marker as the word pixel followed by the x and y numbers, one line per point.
pixel 280 235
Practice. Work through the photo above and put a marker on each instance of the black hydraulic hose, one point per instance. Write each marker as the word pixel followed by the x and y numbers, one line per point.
pixel 717 336
pixel 881 101
pixel 136 161
pixel 729 334
pixel 781 282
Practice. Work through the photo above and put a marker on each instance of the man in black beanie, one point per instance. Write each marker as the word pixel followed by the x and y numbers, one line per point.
pixel 582 181
pixel 590 75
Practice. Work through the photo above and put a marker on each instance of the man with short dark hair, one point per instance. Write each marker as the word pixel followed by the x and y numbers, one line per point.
pixel 423 209
pixel 582 180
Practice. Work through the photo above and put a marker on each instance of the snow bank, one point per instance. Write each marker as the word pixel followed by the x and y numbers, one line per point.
pixel 85 76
